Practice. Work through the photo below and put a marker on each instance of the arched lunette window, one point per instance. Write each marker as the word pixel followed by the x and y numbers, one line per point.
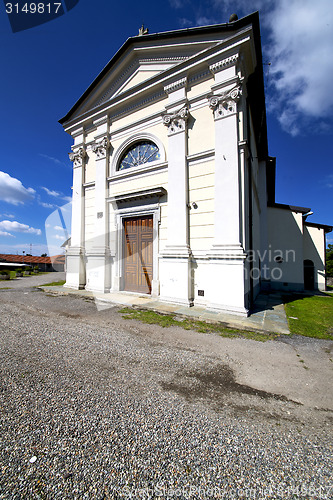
pixel 139 153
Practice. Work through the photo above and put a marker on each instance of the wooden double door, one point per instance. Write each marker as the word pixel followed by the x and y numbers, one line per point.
pixel 138 254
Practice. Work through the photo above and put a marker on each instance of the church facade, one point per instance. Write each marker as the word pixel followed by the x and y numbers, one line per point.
pixel 173 187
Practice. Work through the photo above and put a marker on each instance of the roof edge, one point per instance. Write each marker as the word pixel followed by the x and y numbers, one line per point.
pixel 240 23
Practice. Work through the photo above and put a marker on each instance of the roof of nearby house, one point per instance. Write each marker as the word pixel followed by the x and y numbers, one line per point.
pixel 31 259
pixel 325 227
pixel 292 208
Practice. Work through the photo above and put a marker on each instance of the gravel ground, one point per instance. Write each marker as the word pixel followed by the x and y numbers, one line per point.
pixel 96 407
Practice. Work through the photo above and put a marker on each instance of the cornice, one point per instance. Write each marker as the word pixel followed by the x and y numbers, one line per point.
pixel 207 55
pixel 225 63
pixel 179 84
pixel 116 82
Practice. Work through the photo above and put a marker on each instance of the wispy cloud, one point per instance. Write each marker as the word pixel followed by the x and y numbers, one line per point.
pixel 15 226
pixel 4 233
pixel 329 181
pixel 47 205
pixel 299 48
pixel 50 192
pixel 12 190
pixel 51 158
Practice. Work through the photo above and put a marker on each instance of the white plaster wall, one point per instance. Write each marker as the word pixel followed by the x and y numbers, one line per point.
pixel 138 114
pixel 90 168
pixel 285 235
pixel 199 88
pixel 201 192
pixel 201 135
pixel 139 77
pixel 139 183
pixel 89 210
pixel 314 249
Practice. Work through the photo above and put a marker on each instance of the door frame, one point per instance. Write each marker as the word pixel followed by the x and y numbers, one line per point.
pixel 139 211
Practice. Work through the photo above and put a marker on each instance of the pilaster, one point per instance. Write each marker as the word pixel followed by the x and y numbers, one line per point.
pixel 227 256
pixel 75 268
pixel 175 275
pixel 98 256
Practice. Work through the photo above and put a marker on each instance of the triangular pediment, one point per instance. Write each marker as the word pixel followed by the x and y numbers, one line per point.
pixel 138 65
pixel 145 59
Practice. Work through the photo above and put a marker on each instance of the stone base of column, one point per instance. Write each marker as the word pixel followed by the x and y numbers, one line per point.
pixel 75 268
pixel 225 290
pixel 98 270
pixel 175 275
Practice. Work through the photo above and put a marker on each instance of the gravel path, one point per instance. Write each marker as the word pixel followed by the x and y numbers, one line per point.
pixel 96 407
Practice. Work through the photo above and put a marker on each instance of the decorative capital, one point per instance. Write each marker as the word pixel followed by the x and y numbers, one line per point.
pixel 175 85
pixel 101 147
pixel 225 104
pixel 225 63
pixel 77 157
pixel 176 122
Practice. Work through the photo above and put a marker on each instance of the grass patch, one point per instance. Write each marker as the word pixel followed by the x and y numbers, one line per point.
pixel 167 320
pixel 314 315
pixel 55 283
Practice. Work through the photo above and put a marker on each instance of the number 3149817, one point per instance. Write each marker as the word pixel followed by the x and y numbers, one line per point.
pixel 33 8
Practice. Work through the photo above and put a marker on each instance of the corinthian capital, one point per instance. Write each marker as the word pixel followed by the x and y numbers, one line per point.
pixel 101 147
pixel 225 104
pixel 77 157
pixel 176 122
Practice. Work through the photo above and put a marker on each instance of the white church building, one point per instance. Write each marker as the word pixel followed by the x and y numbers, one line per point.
pixel 173 187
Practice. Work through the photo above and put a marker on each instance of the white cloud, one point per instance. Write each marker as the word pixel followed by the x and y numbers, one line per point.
pixel 12 190
pixel 300 41
pixel 59 237
pixel 8 225
pixel 58 228
pixel 47 205
pixel 4 233
pixel 300 50
pixel 50 192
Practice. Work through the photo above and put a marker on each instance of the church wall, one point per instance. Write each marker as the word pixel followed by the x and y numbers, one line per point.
pixel 138 114
pixel 285 238
pixel 198 88
pixel 132 185
pixel 201 193
pixel 89 211
pixel 314 249
pixel 141 76
pixel 201 131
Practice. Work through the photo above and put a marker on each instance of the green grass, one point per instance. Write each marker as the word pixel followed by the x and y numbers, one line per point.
pixel 55 283
pixel 314 315
pixel 168 320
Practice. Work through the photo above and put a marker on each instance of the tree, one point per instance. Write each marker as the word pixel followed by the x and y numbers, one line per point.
pixel 44 255
pixel 329 260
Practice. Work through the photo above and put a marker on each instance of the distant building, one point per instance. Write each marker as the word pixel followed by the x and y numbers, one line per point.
pixel 173 186
pixel 55 263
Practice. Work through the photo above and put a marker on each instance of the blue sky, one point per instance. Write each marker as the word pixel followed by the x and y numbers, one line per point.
pixel 45 69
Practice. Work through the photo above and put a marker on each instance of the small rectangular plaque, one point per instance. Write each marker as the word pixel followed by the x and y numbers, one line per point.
pixel 99 215
pixel 201 293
